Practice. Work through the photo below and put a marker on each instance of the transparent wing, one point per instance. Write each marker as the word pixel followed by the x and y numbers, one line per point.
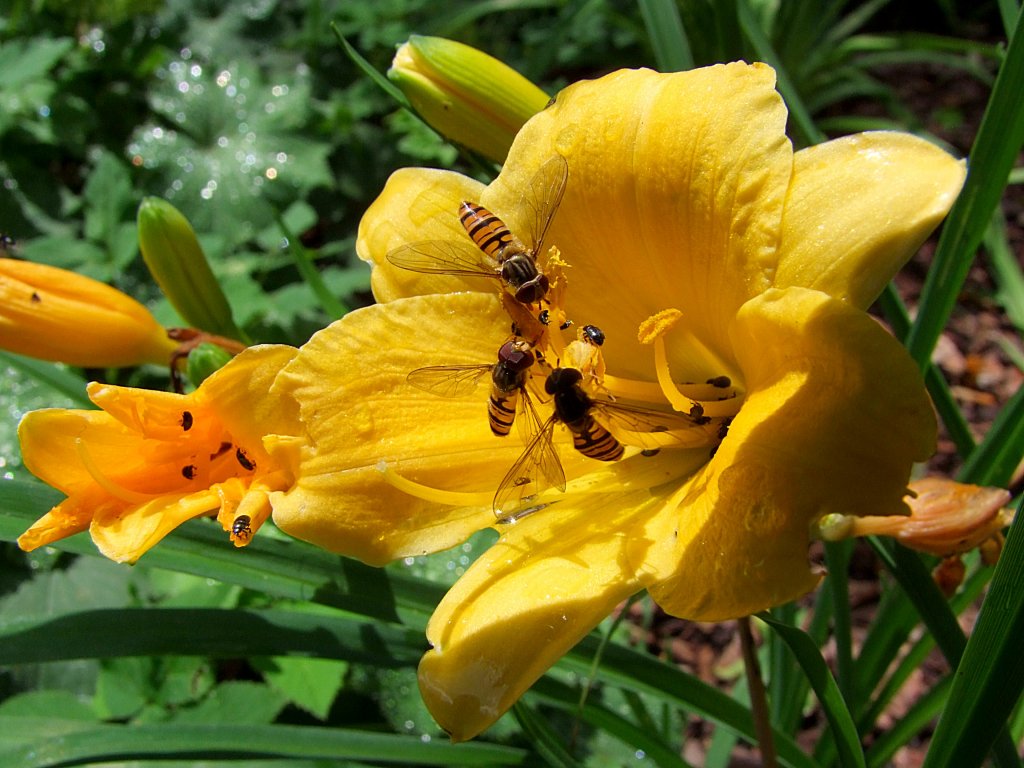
pixel 537 469
pixel 648 428
pixel 444 257
pixel 542 199
pixel 448 380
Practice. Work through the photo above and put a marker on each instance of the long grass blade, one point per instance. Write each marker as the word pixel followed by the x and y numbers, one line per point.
pixel 996 146
pixel 59 379
pixel 543 737
pixel 109 743
pixel 667 35
pixel 843 730
pixel 110 633
pixel 912 723
pixel 1006 270
pixel 991 675
pixel 996 459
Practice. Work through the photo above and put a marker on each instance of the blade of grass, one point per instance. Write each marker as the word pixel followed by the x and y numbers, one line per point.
pixel 56 377
pixel 109 633
pixel 917 718
pixel 371 72
pixel 280 568
pixel 990 677
pixel 996 146
pixel 843 730
pixel 632 670
pixel 109 743
pixel 543 737
pixel 331 304
pixel 668 37
pixel 566 698
pixel 997 458
pixel 917 654
pixel 807 132
pixel 1006 270
pixel 837 560
pixel 907 568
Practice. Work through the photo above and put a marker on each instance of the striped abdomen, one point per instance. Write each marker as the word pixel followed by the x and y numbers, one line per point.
pixel 486 230
pixel 593 440
pixel 501 410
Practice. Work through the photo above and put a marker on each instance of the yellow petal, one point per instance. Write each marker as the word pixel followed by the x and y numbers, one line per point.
pixel 525 602
pixel 241 395
pixel 361 416
pixel 125 535
pixel 835 417
pixel 674 199
pixel 417 204
pixel 53 314
pixel 859 207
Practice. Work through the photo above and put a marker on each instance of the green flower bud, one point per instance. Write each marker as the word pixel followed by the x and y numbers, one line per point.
pixel 177 262
pixel 466 95
pixel 204 360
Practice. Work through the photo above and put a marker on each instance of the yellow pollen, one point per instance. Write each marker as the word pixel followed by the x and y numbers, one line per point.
pixel 435 495
pixel 104 482
pixel 658 324
pixel 652 331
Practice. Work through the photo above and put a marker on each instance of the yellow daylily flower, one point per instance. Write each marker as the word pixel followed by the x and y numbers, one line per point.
pixel 466 95
pixel 149 460
pixel 53 314
pixel 707 251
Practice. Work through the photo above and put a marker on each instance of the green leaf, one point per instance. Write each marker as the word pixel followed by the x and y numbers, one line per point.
pixel 250 743
pixel 840 721
pixel 235 704
pixel 668 38
pixel 990 677
pixel 310 684
pixel 42 715
pixel 206 632
pixel 544 738
pixel 995 149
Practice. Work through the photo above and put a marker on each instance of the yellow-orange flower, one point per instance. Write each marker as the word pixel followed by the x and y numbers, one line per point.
pixel 53 314
pixel 149 460
pixel 707 251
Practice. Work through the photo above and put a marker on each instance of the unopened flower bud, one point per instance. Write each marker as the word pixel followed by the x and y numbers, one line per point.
pixel 177 262
pixel 53 314
pixel 466 95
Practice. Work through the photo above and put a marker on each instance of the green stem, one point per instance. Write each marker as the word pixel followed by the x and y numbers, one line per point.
pixel 758 696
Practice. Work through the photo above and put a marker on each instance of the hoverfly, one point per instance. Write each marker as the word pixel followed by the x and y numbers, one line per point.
pixel 491 249
pixel 508 384
pixel 590 421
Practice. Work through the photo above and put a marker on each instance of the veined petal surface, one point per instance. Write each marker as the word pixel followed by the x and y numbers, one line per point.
pixel 835 417
pixel 859 207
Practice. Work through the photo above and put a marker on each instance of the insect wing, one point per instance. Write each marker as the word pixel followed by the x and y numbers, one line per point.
pixel 444 257
pixel 646 427
pixel 536 469
pixel 448 380
pixel 542 199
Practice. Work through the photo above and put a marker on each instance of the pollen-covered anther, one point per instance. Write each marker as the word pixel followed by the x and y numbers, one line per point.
pixel 712 399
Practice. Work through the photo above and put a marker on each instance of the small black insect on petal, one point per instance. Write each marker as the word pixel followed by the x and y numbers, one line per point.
pixel 186 421
pixel 188 471
pixel 244 460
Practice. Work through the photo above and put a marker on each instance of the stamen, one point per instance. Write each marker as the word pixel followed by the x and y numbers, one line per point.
pixel 436 495
pixel 104 482
pixel 652 331
pixel 714 398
